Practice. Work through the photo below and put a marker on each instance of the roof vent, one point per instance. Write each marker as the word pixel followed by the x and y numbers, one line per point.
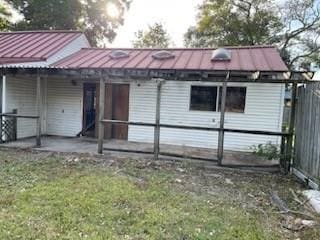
pixel 118 54
pixel 221 54
pixel 162 55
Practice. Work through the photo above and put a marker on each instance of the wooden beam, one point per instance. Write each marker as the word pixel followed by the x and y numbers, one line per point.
pixel 222 114
pixel 102 88
pixel 175 75
pixel 289 153
pixel 18 116
pixel 39 111
pixel 161 153
pixel 128 123
pixel 257 132
pixel 156 142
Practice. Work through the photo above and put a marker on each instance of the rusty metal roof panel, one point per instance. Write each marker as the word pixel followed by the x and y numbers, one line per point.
pixel 35 45
pixel 125 61
pixel 111 62
pixel 135 62
pixel 252 58
pixel 96 59
pixel 183 59
pixel 143 62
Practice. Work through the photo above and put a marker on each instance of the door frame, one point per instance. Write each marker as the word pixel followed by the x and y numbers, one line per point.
pixel 84 105
pixel 108 128
pixel 121 131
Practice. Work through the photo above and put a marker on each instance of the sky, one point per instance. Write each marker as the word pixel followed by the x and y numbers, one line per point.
pixel 176 16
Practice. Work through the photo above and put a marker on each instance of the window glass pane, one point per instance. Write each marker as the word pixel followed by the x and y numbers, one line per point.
pixel 235 100
pixel 203 98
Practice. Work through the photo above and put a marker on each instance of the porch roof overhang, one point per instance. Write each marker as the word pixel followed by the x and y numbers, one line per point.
pixel 128 75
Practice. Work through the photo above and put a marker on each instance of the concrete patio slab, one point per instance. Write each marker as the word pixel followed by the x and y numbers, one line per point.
pixel 89 145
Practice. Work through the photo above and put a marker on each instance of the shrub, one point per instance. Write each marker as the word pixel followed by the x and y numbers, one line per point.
pixel 269 150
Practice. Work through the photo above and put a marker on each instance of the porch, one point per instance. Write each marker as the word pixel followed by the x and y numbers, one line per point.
pixel 121 148
pixel 59 106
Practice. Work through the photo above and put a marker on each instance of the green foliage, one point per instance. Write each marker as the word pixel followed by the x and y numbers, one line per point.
pixel 292 25
pixel 229 22
pixel 89 16
pixel 155 36
pixel 269 150
pixel 4 17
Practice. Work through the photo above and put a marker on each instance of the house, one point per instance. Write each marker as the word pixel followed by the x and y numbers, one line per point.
pixel 69 104
pixel 32 49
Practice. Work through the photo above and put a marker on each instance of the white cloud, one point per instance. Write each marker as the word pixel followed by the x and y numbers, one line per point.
pixel 175 15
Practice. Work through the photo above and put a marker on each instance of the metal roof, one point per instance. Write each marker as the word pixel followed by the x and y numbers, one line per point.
pixel 251 58
pixel 31 46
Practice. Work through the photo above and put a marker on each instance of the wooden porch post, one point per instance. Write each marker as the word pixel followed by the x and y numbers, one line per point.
pixel 156 146
pixel 222 113
pixel 101 114
pixel 289 154
pixel 39 111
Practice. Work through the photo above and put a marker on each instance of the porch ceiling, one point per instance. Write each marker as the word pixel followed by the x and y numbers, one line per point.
pixel 127 75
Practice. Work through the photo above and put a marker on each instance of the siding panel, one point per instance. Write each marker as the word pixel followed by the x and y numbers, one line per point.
pixel 264 105
pixel 21 95
pixel 64 107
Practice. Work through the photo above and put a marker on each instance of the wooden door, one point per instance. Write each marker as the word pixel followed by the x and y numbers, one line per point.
pixel 108 111
pixel 120 110
pixel 117 108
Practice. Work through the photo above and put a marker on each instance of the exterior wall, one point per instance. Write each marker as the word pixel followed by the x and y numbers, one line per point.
pixel 263 111
pixel 74 46
pixel 64 107
pixel 61 105
pixel 21 95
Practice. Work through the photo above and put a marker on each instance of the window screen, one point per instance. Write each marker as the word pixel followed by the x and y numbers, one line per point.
pixel 203 98
pixel 235 99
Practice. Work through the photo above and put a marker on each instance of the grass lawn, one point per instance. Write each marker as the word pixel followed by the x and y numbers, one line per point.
pixel 52 196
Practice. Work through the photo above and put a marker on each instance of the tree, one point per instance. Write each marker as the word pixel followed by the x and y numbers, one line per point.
pixel 233 22
pixel 154 37
pixel 4 17
pixel 292 25
pixel 90 16
pixel 299 39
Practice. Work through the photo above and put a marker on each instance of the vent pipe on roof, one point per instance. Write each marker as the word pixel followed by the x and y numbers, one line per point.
pixel 221 54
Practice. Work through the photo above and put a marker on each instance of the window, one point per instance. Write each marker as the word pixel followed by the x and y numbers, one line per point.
pixel 235 99
pixel 203 98
pixel 208 98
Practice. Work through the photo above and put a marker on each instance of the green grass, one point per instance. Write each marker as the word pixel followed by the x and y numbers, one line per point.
pixel 48 197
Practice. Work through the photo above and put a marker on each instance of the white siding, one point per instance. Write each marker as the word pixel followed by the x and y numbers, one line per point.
pixel 264 103
pixel 74 46
pixel 62 102
pixel 21 95
pixel 61 105
pixel 64 107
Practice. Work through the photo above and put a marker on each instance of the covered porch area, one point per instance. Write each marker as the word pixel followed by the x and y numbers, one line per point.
pixel 156 124
pixel 137 150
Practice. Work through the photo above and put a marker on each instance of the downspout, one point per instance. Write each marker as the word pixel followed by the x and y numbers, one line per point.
pixel 4 97
pixel 3 105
